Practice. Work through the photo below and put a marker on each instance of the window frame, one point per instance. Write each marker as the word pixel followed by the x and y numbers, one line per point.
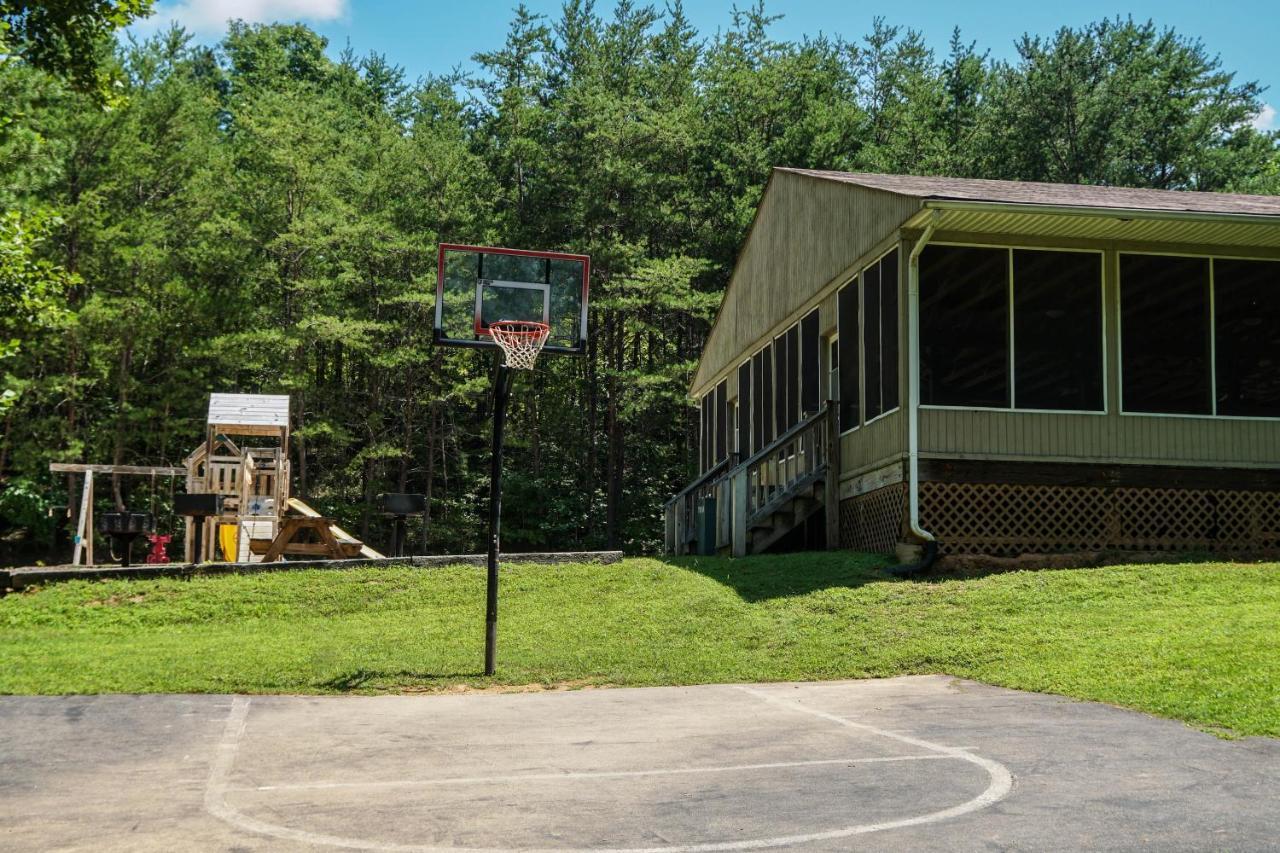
pixel 1009 249
pixel 1213 335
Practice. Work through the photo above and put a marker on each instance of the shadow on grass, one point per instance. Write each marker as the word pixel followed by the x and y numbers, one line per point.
pixel 365 679
pixel 769 576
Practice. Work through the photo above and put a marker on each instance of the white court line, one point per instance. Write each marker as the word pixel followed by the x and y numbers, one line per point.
pixel 1001 782
pixel 594 774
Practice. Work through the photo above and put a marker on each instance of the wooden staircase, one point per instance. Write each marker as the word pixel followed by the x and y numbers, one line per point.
pixel 759 501
pixel 788 510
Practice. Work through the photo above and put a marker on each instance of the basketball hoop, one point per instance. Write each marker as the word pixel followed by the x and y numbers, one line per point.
pixel 521 341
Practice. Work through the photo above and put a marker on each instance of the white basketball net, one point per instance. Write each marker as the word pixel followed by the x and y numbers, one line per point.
pixel 521 341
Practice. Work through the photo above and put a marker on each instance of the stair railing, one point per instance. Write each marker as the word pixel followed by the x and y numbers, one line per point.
pixel 683 513
pixel 796 456
pixel 751 489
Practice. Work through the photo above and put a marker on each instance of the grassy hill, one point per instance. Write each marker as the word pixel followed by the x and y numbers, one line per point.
pixel 1197 642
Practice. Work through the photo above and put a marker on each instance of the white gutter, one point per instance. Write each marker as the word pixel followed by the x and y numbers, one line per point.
pixel 913 379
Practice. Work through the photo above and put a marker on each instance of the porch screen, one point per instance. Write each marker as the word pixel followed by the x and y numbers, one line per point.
pixel 1057 338
pixel 722 422
pixel 744 410
pixel 704 434
pixel 784 382
pixel 810 372
pixel 762 398
pixel 757 402
pixel 880 334
pixel 1164 325
pixel 847 315
pixel 964 327
pixel 1247 333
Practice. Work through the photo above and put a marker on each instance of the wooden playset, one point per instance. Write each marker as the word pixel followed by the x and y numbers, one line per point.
pixel 253 517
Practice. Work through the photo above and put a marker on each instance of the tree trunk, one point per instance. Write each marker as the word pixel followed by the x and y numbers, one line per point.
pixel 300 444
pixel 613 427
pixel 122 403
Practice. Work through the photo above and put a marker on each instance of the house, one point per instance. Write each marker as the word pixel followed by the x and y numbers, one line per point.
pixel 993 366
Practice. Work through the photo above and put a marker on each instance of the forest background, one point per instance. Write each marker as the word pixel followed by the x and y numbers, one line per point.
pixel 257 217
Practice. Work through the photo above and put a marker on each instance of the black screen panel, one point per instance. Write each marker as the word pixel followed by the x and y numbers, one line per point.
pixel 722 421
pixel 792 339
pixel 964 327
pixel 1164 319
pixel 871 341
pixel 1247 320
pixel 781 356
pixel 758 402
pixel 810 365
pixel 890 380
pixel 847 314
pixel 1057 317
pixel 767 396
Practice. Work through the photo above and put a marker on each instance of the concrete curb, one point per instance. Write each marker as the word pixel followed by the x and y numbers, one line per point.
pixel 26 577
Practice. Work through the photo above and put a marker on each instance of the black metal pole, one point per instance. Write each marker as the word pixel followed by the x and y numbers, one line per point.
pixel 197 531
pixel 501 393
pixel 397 537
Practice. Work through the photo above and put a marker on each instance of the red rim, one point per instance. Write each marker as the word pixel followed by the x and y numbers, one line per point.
pixel 512 328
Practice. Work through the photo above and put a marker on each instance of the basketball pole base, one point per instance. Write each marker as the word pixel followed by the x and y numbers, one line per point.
pixel 501 394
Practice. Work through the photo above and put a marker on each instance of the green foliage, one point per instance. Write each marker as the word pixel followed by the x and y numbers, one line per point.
pixel 31 290
pixel 25 505
pixel 1122 103
pixel 67 37
pixel 263 218
pixel 1196 642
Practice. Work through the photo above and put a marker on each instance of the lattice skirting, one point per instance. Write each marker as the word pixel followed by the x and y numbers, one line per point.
pixel 873 522
pixel 1006 520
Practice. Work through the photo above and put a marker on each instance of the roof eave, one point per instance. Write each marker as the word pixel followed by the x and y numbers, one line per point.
pixel 1120 213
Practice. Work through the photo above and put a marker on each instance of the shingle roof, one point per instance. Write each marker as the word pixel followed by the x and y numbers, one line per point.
pixel 1068 195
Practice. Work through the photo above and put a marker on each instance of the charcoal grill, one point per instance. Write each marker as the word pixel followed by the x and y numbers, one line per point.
pixel 198 506
pixel 400 506
pixel 124 527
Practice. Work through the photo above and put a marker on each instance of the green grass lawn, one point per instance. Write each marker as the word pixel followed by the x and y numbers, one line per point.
pixel 1199 642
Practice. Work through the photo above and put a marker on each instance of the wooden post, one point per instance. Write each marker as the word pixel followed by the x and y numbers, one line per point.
pixel 738 497
pixel 678 526
pixel 88 526
pixel 86 496
pixel 832 482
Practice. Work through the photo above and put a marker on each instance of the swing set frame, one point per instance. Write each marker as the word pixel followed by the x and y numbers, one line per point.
pixel 84 518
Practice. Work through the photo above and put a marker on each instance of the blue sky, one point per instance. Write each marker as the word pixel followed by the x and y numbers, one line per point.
pixel 430 36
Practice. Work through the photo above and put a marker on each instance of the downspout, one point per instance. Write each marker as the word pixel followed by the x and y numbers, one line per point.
pixel 930 553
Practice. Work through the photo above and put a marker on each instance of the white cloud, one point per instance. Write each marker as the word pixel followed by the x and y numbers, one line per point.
pixel 211 16
pixel 1266 119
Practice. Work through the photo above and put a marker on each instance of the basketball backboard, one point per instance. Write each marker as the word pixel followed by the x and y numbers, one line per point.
pixel 479 285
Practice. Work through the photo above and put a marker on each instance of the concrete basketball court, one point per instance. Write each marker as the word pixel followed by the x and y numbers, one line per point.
pixel 905 763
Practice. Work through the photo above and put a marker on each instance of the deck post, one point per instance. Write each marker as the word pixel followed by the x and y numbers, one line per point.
pixel 831 436
pixel 738 498
pixel 678 526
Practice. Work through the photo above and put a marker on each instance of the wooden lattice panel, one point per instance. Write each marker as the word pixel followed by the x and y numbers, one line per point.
pixel 873 522
pixel 1009 519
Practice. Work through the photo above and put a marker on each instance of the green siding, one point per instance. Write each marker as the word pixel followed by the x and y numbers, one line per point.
pixel 872 444
pixel 807 233
pixel 1099 438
